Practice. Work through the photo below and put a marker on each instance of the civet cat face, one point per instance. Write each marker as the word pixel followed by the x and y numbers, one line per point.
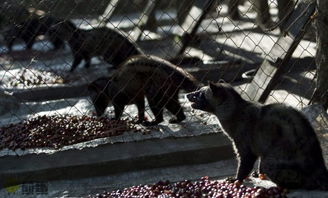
pixel 98 95
pixel 210 98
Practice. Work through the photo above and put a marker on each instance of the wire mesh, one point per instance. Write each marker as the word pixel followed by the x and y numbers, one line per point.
pixel 225 39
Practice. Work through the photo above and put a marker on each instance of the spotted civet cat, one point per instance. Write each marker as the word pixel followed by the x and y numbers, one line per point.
pixel 140 76
pixel 111 44
pixel 280 136
pixel 30 29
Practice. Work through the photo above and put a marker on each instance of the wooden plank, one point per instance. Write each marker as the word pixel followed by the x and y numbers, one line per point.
pixel 276 62
pixel 260 81
pixel 193 20
pixel 105 17
pixel 143 19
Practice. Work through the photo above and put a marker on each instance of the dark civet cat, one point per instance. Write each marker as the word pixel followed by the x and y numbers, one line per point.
pixel 140 76
pixel 280 136
pixel 30 29
pixel 110 44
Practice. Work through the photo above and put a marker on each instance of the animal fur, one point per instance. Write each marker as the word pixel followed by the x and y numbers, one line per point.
pixel 30 29
pixel 280 136
pixel 140 76
pixel 114 46
pixel 186 60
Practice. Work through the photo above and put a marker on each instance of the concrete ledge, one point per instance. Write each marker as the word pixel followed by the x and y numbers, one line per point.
pixel 78 88
pixel 114 158
pixel 50 93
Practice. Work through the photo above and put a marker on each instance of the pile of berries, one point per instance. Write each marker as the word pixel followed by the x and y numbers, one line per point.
pixel 58 131
pixel 203 188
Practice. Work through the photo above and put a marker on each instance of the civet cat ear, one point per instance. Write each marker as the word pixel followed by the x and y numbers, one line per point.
pixel 212 85
pixel 209 83
pixel 221 81
pixel 217 89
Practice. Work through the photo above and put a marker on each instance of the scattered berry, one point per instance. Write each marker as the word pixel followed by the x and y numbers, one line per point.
pixel 196 189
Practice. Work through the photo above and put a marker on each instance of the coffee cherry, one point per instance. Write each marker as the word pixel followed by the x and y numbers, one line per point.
pixel 196 189
pixel 58 131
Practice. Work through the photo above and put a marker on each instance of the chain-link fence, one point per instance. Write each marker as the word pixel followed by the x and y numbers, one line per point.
pixel 64 62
